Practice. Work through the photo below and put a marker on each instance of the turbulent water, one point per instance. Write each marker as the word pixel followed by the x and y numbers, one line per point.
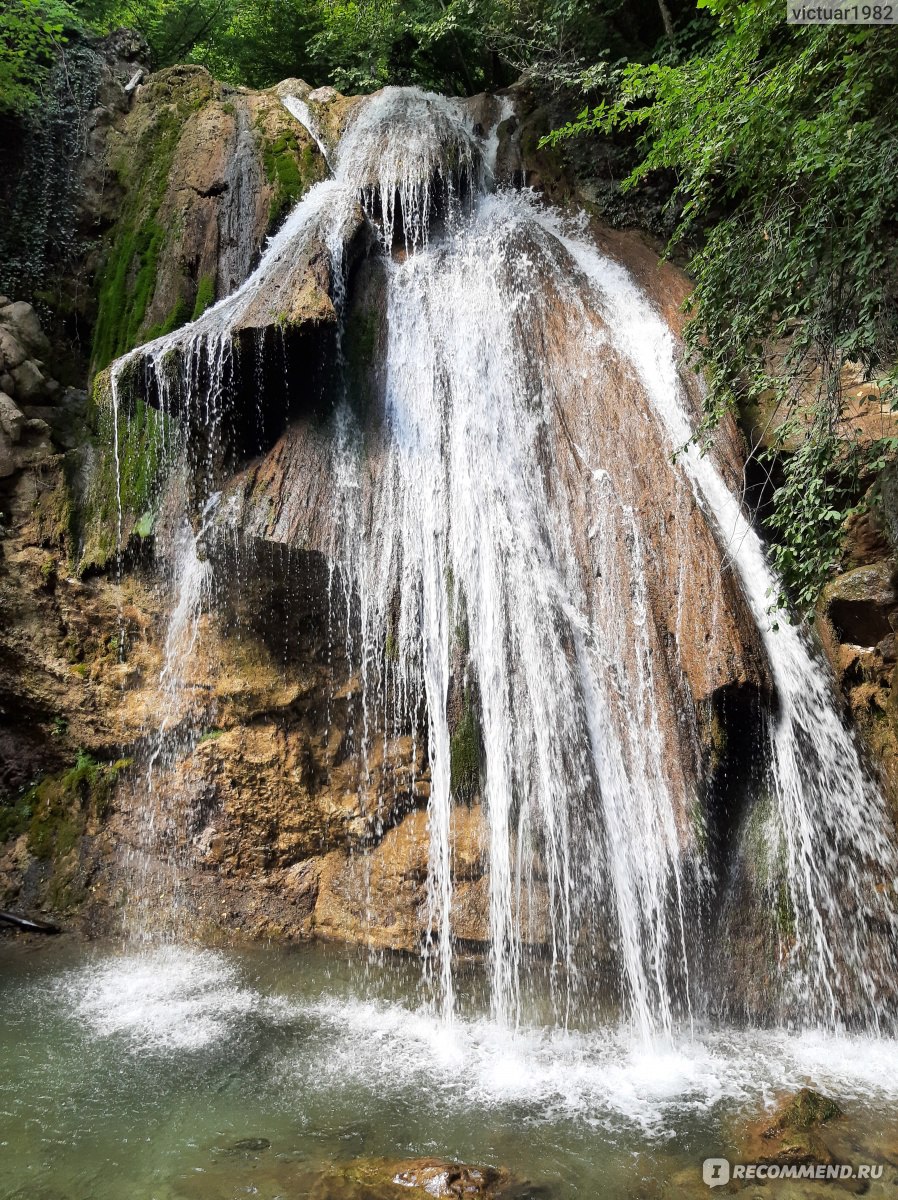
pixel 180 1074
pixel 497 558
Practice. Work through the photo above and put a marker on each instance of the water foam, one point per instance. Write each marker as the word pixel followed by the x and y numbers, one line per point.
pixel 171 999
pixel 603 1078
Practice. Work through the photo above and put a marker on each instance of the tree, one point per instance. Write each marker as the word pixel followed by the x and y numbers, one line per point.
pixel 31 33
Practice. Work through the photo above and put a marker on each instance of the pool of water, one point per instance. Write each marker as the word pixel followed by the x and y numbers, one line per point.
pixel 161 1074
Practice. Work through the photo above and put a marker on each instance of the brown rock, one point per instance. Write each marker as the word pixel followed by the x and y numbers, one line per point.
pixel 860 602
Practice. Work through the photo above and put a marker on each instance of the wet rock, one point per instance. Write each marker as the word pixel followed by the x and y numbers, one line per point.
pixel 860 602
pixel 807 1109
pixel 801 1133
pixel 250 1145
pixel 437 1177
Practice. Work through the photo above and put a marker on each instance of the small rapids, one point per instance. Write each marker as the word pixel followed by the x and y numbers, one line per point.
pixel 524 547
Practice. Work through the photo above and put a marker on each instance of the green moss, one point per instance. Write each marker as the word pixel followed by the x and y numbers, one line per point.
pixel 54 812
pixel 783 912
pixel 282 169
pixel 49 571
pixel 805 1110
pixel 205 296
pixel 760 848
pixel 175 319
pixel 138 239
pixel 211 735
pixel 143 526
pixel 143 432
pixel 464 752
pixel 290 168
pixel 126 291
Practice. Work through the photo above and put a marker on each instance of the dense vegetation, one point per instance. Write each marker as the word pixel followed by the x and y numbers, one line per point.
pixel 783 143
pixel 357 45
pixel 780 145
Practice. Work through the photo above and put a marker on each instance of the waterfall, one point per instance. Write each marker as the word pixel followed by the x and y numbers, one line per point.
pixel 530 584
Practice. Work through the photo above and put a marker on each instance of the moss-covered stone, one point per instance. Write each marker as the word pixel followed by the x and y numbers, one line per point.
pixel 142 167
pixel 464 752
pixel 55 811
pixel 290 168
pixel 807 1109
pixel 102 487
pixel 205 296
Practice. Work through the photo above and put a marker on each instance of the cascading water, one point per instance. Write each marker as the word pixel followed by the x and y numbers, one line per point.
pixel 497 561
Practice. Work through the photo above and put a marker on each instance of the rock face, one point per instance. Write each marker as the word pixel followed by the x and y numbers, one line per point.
pixel 301 820
pixel 303 815
pixel 858 621
pixel 203 173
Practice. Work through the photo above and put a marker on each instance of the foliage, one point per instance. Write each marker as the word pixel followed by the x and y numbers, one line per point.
pixel 172 28
pixel 31 34
pixel 358 45
pixel 783 147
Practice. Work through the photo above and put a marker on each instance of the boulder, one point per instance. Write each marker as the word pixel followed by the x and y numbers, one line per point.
pixel 432 1176
pixel 807 1109
pixel 23 322
pixel 12 420
pixel 859 603
pixel 29 381
pixel 12 353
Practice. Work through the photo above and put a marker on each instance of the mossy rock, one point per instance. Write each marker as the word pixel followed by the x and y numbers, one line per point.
pixel 97 487
pixel 143 168
pixel 807 1109
pixel 464 752
pixel 54 813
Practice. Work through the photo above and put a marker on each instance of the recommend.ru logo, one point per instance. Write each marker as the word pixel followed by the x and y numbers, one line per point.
pixel 718 1171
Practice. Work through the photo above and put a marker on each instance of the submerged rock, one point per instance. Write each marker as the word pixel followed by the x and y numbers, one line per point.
pixel 804 1130
pixel 437 1177
pixel 807 1109
pixel 250 1145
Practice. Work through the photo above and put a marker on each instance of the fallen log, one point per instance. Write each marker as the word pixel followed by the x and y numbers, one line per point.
pixel 31 924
